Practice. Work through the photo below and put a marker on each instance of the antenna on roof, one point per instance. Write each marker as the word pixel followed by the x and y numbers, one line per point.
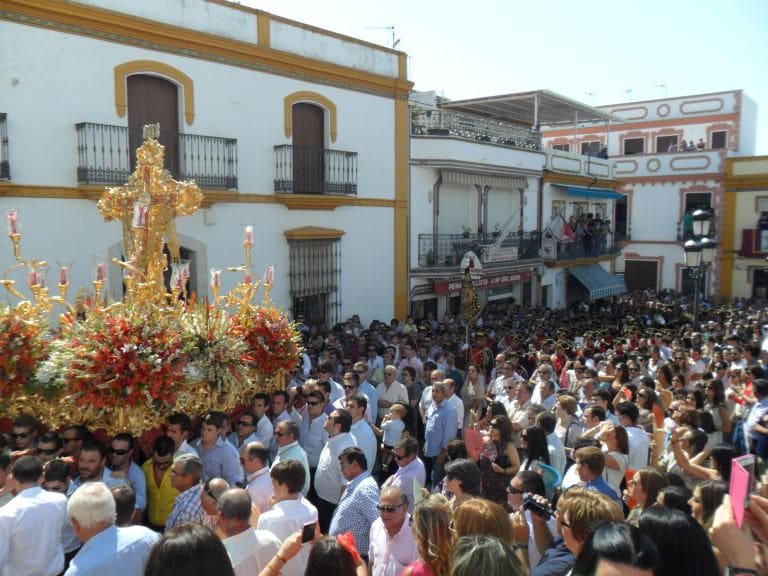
pixel 663 85
pixel 391 29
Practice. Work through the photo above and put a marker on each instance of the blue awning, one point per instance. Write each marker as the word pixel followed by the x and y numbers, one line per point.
pixel 594 193
pixel 598 281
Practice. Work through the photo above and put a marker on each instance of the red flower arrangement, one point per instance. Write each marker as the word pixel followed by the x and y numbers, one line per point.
pixel 115 361
pixel 272 340
pixel 22 347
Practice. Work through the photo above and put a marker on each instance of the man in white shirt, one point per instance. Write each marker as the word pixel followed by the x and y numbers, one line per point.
pixel 518 410
pixel 351 389
pixel 329 481
pixel 544 374
pixel 639 443
pixel 264 428
pixel 249 550
pixel 254 457
pixel 31 524
pixel 290 512
pixel 361 429
pixel 557 459
pixel 391 391
pixel 392 545
pixel 178 428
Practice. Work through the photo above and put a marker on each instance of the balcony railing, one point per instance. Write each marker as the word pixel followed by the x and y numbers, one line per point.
pixel 447 250
pixel 307 170
pixel 472 127
pixel 5 163
pixel 107 155
pixel 554 250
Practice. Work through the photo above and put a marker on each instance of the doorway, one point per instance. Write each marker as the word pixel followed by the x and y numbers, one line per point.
pixel 153 100
pixel 308 142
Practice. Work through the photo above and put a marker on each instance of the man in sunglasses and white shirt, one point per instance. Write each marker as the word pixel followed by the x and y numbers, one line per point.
pixel 392 545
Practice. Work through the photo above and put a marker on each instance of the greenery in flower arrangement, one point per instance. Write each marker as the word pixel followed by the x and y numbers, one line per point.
pixel 23 346
pixel 118 358
pixel 214 351
pixel 273 343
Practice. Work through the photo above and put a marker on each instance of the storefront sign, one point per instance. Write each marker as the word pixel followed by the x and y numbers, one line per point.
pixel 500 254
pixel 488 281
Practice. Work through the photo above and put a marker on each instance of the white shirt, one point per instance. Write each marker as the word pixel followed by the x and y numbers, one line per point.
pixel 115 551
pixel 556 453
pixel 260 488
pixel 264 431
pixel 312 437
pixel 288 517
pixel 396 392
pixel 366 440
pixel 390 555
pixel 405 476
pixel 426 399
pixel 457 405
pixel 639 444
pixel 251 550
pixel 185 448
pixel 329 481
pixel 30 533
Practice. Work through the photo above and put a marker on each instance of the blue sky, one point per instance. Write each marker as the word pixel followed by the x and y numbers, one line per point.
pixel 486 47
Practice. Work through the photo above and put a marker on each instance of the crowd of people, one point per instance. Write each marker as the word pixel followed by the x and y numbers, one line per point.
pixel 593 440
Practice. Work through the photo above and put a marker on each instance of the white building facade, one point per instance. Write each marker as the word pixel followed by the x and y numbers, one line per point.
pixel 670 156
pixel 299 131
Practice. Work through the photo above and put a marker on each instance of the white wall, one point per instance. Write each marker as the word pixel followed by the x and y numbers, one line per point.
pixel 52 80
pixel 457 150
pixel 50 90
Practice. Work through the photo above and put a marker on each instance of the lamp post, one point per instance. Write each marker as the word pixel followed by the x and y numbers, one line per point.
pixel 699 254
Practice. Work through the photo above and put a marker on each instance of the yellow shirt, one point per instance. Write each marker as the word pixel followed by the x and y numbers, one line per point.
pixel 159 498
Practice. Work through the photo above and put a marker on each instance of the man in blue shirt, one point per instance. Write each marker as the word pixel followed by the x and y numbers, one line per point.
pixel 358 507
pixel 106 549
pixel 440 428
pixel 220 459
pixel 590 464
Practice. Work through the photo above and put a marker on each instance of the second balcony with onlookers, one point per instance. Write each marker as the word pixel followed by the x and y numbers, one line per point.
pixel 106 155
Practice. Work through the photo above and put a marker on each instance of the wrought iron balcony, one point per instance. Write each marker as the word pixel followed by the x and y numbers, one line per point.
pixel 552 250
pixel 5 163
pixel 473 127
pixel 447 250
pixel 307 170
pixel 106 155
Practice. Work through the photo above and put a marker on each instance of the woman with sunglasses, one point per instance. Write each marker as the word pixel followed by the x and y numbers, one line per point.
pixel 498 461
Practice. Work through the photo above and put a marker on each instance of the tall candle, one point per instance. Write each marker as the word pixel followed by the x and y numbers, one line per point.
pixel 270 273
pixel 215 278
pixel 101 272
pixel 32 278
pixel 13 221
pixel 248 236
pixel 64 276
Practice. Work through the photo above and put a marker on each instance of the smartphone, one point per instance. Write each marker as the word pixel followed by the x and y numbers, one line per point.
pixel 308 532
pixel 741 485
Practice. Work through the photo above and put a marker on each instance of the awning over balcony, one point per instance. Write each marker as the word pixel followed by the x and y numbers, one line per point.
pixel 492 180
pixel 598 281
pixel 594 193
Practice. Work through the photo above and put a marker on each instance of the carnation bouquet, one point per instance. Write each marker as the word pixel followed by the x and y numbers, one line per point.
pixel 22 347
pixel 272 341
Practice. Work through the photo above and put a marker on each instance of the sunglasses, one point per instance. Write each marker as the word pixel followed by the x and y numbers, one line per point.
pixel 48 451
pixel 349 386
pixel 119 451
pixel 388 509
pixel 511 490
pixel 281 434
pixel 22 434
pixel 67 440
pixel 244 423
pixel 359 371
pixel 315 403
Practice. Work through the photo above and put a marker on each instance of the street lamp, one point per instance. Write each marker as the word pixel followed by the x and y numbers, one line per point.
pixel 699 254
